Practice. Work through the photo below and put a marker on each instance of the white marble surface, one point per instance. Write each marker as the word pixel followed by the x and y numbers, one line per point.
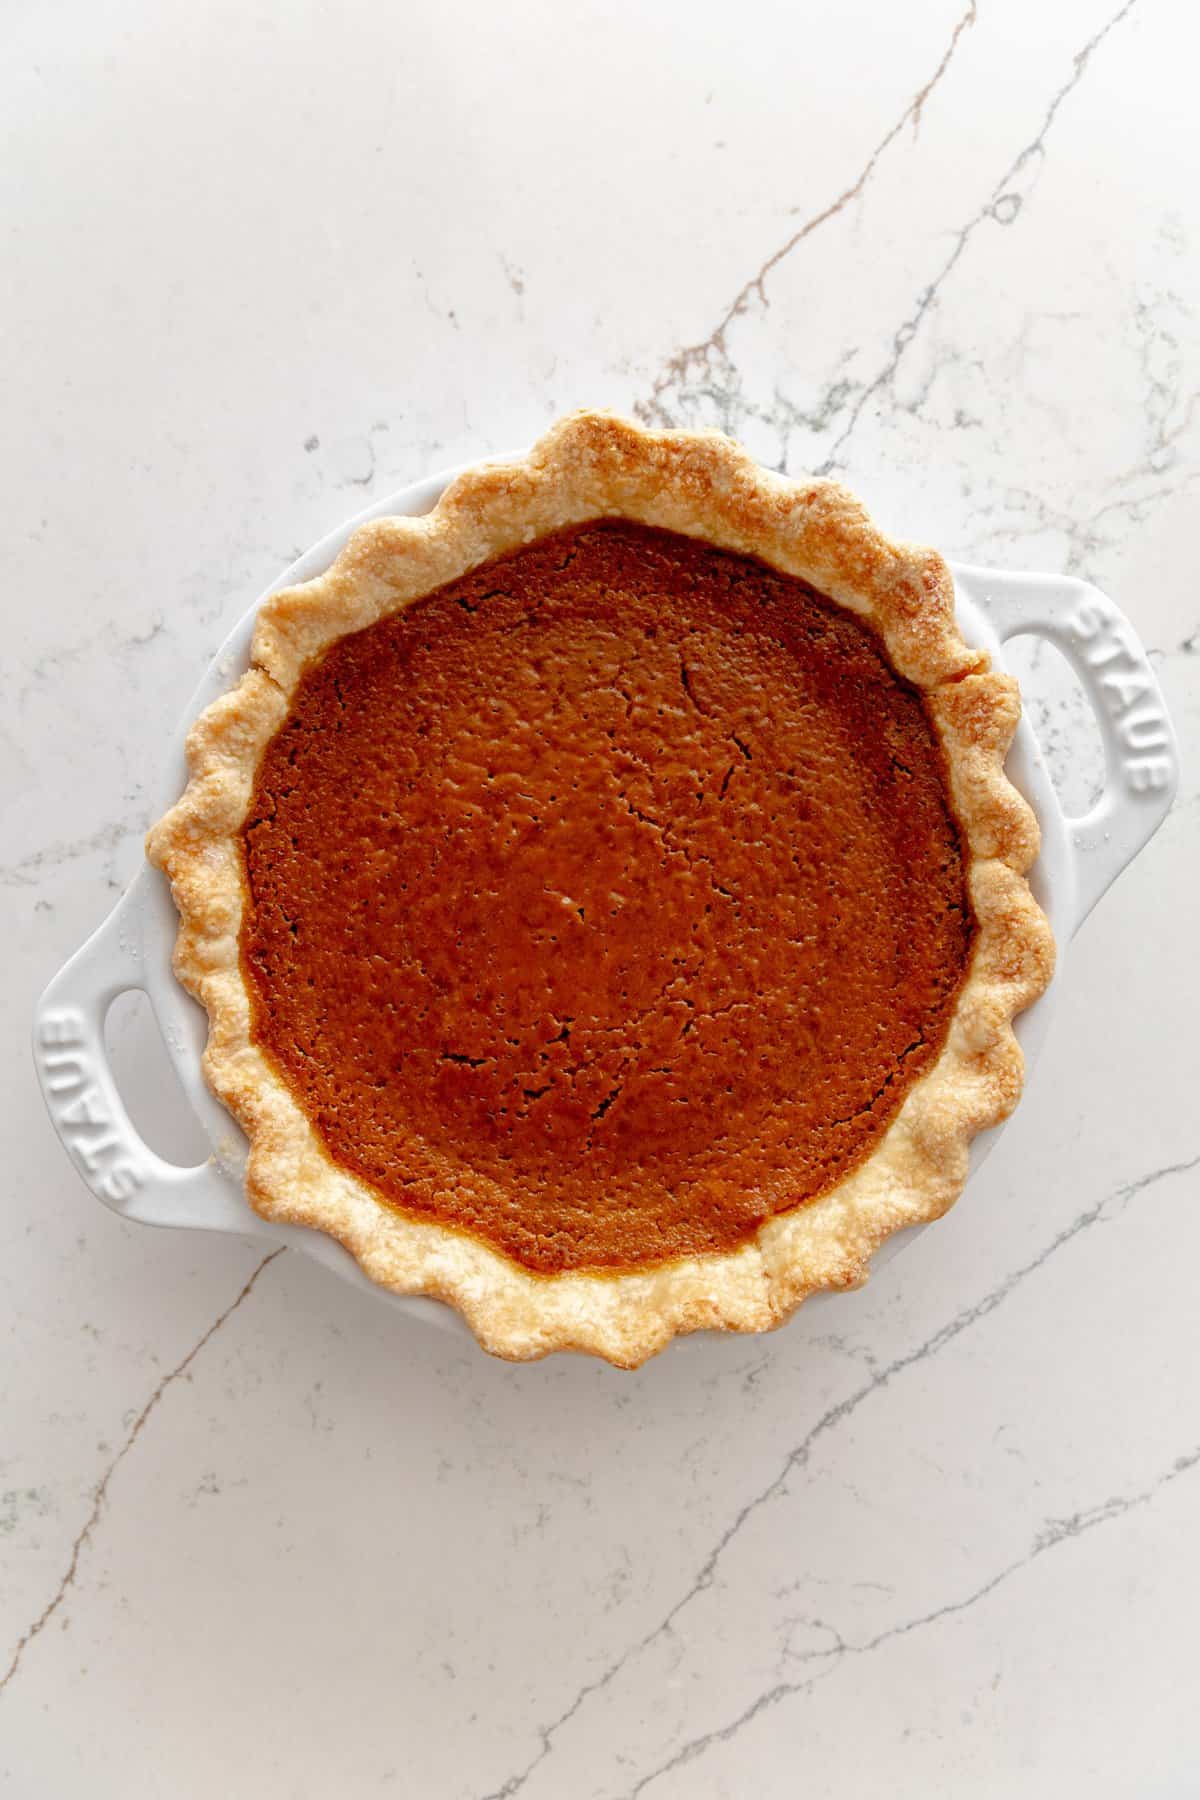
pixel 262 1536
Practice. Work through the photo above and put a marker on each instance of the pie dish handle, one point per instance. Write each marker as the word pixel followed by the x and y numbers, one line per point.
pixel 1140 750
pixel 83 1099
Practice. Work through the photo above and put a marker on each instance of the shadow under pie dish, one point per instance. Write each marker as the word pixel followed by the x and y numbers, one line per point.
pixel 607 897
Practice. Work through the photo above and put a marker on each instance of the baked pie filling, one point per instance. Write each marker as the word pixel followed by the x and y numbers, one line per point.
pixel 605 902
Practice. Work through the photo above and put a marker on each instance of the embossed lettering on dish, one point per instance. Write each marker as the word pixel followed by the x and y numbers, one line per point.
pixel 1123 676
pixel 81 1109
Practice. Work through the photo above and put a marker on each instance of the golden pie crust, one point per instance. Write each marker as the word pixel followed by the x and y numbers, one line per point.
pixel 700 485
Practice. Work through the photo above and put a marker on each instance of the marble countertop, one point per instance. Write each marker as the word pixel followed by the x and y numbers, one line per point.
pixel 260 1535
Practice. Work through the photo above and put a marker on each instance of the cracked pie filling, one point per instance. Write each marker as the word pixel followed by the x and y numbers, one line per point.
pixel 607 897
pixel 606 903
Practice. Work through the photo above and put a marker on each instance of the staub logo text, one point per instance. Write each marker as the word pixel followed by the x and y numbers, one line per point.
pixel 1124 678
pixel 80 1107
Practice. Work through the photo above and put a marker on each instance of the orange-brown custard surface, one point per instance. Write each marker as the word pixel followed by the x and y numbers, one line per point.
pixel 605 902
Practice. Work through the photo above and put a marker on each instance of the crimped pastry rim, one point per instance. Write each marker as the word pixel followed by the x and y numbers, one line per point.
pixel 701 484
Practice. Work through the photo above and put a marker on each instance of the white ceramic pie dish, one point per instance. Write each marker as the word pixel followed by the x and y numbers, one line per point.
pixel 1079 860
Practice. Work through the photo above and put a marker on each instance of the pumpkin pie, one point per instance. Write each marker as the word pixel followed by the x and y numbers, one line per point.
pixel 607 897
